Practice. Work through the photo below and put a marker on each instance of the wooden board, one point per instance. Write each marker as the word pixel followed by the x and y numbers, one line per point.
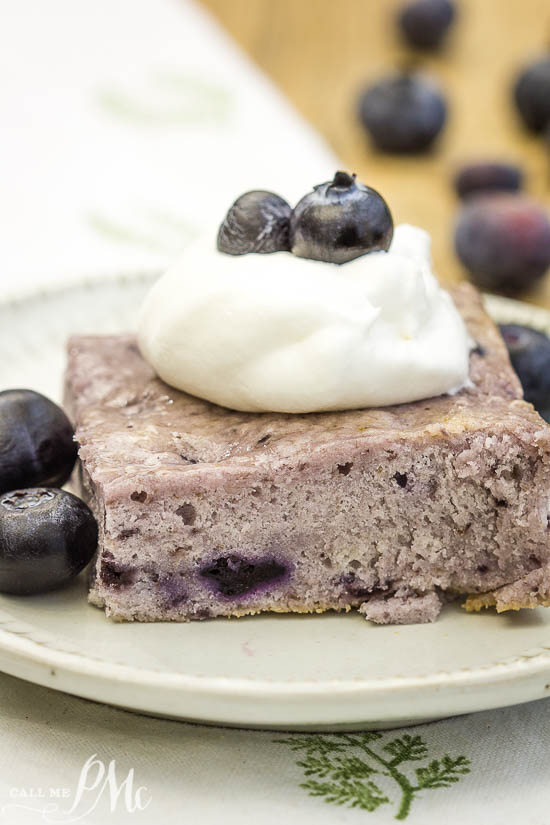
pixel 322 52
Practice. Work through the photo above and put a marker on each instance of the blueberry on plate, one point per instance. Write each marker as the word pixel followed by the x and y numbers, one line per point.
pixel 47 536
pixel 487 177
pixel 424 23
pixel 532 94
pixel 503 241
pixel 339 221
pixel 37 446
pixel 257 222
pixel 529 352
pixel 403 113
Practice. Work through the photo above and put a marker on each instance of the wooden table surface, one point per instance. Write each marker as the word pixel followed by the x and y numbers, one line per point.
pixel 321 53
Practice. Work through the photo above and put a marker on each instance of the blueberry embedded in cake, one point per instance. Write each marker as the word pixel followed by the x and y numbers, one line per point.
pixel 205 511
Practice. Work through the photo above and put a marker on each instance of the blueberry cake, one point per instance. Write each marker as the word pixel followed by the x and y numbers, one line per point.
pixel 205 511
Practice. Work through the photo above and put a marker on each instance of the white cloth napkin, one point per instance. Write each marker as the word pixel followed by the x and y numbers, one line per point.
pixel 196 774
pixel 128 126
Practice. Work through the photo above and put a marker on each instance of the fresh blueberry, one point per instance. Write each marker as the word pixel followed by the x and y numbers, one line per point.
pixel 257 222
pixel 403 113
pixel 503 241
pixel 339 221
pixel 236 576
pixel 47 536
pixel 424 23
pixel 37 447
pixel 532 94
pixel 487 177
pixel 529 352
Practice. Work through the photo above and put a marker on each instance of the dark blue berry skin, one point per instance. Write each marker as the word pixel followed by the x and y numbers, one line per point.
pixel 339 221
pixel 529 352
pixel 424 23
pixel 403 113
pixel 503 241
pixel 233 576
pixel 258 221
pixel 37 447
pixel 486 178
pixel 47 536
pixel 532 95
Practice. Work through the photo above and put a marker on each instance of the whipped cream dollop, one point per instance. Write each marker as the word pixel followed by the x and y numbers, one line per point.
pixel 284 334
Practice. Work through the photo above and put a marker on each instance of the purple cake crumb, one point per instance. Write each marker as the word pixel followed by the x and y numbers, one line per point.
pixel 405 608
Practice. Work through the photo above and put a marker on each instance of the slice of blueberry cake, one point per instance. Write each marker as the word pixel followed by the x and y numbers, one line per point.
pixel 205 511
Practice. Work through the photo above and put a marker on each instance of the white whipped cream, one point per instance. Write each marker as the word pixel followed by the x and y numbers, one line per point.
pixel 284 334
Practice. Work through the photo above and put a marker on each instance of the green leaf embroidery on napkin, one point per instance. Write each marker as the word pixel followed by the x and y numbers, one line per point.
pixel 340 768
pixel 169 99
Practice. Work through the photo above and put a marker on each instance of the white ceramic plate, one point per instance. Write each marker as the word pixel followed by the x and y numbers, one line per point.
pixel 328 671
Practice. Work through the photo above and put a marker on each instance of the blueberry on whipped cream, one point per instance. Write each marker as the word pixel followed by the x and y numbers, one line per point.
pixel 258 221
pixel 339 221
pixel 293 333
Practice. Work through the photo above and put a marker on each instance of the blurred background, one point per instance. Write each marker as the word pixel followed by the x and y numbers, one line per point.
pixel 322 54
pixel 130 126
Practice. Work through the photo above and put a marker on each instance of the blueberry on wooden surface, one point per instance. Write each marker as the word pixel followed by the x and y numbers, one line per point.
pixel 339 221
pixel 487 177
pixel 532 94
pixel 257 222
pixel 37 446
pixel 47 536
pixel 403 113
pixel 425 23
pixel 503 241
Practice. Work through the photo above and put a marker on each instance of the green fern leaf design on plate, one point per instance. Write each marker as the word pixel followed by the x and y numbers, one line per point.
pixel 340 768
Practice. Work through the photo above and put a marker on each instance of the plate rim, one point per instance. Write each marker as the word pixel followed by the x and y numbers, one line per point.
pixel 22 651
pixel 533 661
pixel 19 295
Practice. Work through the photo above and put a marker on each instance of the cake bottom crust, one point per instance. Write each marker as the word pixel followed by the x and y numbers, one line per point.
pixel 529 592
